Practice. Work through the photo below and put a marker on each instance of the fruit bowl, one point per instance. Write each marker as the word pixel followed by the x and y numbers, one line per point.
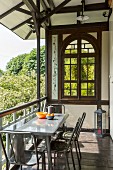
pixel 50 116
pixel 41 115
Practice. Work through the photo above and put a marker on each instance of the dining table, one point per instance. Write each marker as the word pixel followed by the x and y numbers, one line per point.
pixel 43 128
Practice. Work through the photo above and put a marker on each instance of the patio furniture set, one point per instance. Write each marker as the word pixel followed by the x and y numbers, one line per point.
pixel 42 130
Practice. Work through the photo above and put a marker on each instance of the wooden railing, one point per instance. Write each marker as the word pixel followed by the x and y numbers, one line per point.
pixel 17 114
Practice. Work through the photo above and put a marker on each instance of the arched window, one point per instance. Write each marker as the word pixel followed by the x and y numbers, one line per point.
pixel 79 69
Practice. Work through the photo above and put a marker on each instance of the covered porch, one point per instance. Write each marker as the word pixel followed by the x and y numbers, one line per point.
pixel 79 72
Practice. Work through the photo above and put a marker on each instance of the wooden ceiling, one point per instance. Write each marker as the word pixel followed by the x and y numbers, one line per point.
pixel 22 16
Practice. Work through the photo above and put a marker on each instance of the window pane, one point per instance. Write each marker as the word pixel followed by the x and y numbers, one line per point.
pixel 91 86
pixel 84 51
pixel 83 60
pixel 73 92
pixel 73 51
pixel 91 50
pixel 67 51
pixel 68 47
pixel 91 93
pixel 66 89
pixel 83 92
pixel 66 60
pixel 85 42
pixel 91 72
pixel 73 72
pixel 83 85
pixel 83 72
pixel 73 85
pixel 73 60
pixel 66 92
pixel 72 46
pixel 66 72
pixel 75 46
pixel 91 60
pixel 67 86
pixel 74 42
pixel 88 46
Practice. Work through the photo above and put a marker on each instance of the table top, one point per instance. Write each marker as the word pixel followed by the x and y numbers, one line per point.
pixel 43 127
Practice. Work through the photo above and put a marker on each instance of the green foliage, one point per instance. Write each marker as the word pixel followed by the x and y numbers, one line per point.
pixel 15 90
pixel 1 72
pixel 15 65
pixel 18 84
pixel 27 63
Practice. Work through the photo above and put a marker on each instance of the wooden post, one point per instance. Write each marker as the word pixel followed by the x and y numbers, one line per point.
pixel 38 55
pixel 0 146
pixel 110 3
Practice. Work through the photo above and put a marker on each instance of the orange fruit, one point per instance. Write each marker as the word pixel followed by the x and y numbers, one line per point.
pixel 52 114
pixel 48 114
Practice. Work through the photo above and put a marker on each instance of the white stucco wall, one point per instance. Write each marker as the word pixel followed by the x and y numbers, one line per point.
pixel 104 68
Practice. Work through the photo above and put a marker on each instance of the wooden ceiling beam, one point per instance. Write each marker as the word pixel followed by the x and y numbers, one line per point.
pixel 32 7
pixel 11 10
pixel 34 11
pixel 22 23
pixel 46 10
pixel 28 35
pixel 24 11
pixel 51 4
pixel 89 7
pixel 44 5
pixel 54 10
pixel 101 26
pixel 36 24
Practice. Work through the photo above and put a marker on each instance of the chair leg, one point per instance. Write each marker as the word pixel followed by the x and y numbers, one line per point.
pixel 79 149
pixel 67 162
pixel 43 162
pixel 7 165
pixel 77 155
pixel 20 167
pixel 72 159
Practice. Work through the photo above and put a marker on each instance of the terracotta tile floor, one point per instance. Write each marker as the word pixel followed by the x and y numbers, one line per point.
pixel 97 154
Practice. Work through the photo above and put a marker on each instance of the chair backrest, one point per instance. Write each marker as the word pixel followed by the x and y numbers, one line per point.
pixel 83 117
pixel 80 124
pixel 16 147
pixel 75 131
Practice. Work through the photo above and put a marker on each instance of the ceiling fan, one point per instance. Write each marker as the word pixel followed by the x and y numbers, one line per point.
pixel 82 17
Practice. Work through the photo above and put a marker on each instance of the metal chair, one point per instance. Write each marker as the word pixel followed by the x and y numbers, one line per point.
pixel 19 154
pixel 66 136
pixel 65 147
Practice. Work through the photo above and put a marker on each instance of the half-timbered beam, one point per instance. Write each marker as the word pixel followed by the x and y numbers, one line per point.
pixel 28 35
pixel 36 24
pixel 89 7
pixel 54 10
pixel 51 4
pixel 32 7
pixel 24 11
pixel 46 10
pixel 22 23
pixel 44 5
pixel 11 10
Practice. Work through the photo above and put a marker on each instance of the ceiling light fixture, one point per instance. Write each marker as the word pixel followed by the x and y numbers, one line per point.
pixel 82 17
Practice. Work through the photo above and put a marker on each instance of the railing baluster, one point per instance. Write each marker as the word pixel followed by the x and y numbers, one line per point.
pixel 7 144
pixel 14 117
